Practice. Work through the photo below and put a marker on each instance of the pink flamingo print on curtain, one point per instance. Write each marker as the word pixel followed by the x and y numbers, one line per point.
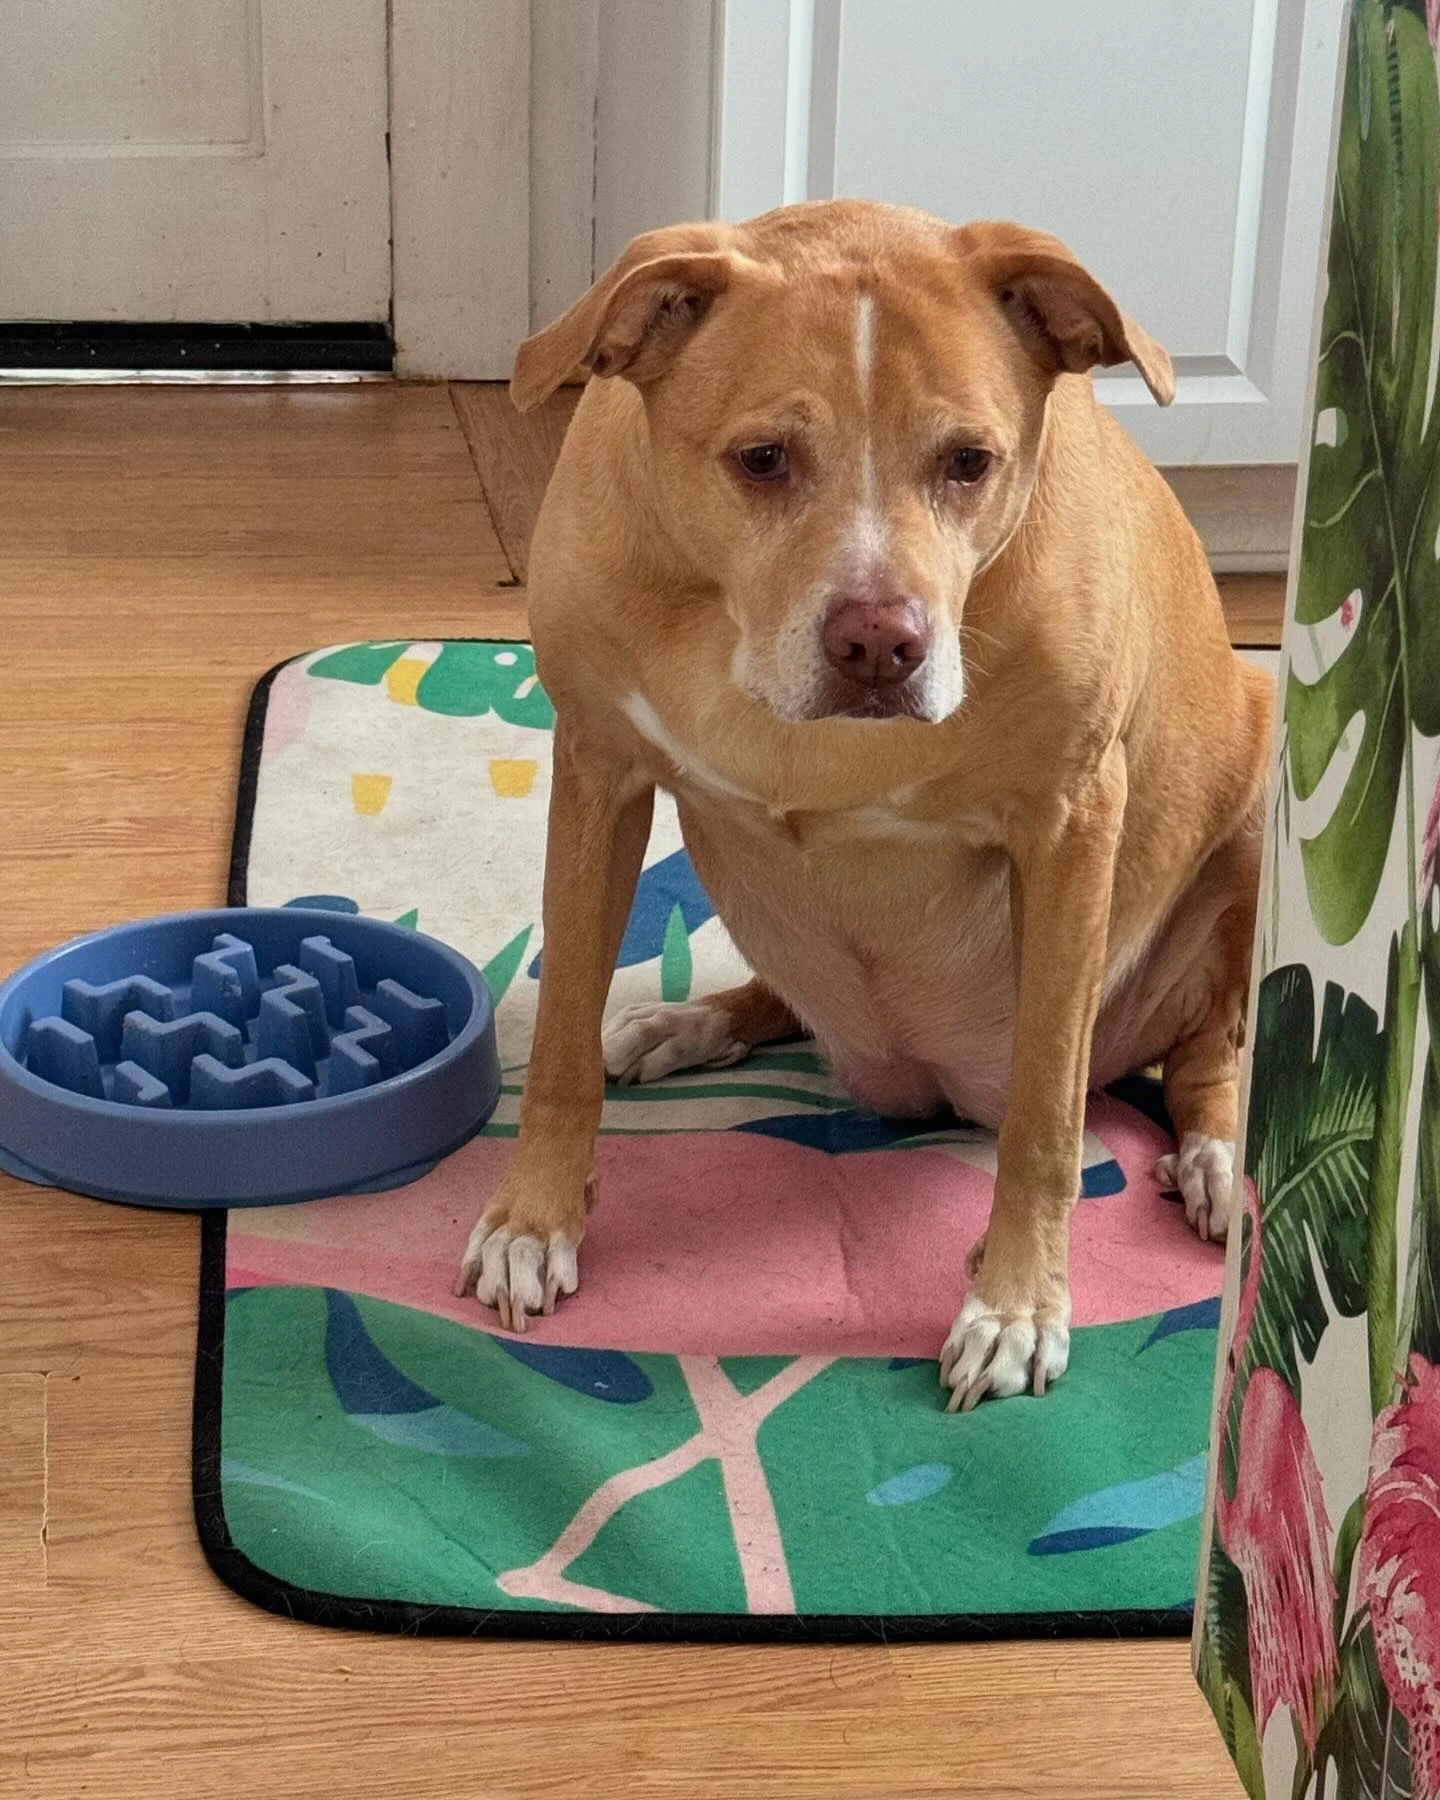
pixel 1276 1532
pixel 1398 1574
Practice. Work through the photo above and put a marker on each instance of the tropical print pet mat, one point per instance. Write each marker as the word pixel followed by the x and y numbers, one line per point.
pixel 734 1429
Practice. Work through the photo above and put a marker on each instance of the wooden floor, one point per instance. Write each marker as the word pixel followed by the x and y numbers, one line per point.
pixel 159 549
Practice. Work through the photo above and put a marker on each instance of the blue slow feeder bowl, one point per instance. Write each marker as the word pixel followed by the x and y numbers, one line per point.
pixel 243 1057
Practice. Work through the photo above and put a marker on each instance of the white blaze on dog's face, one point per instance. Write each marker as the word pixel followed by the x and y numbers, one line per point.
pixel 845 405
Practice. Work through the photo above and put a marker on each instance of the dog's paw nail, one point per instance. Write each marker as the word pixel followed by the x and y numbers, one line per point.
pixel 987 1354
pixel 517 1273
pixel 1205 1177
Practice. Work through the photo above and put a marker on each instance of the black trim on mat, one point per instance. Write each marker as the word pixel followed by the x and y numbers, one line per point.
pixel 346 346
pixel 274 1595
pixel 251 746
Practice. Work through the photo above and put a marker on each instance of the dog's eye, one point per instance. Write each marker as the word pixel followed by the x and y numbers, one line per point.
pixel 967 464
pixel 763 462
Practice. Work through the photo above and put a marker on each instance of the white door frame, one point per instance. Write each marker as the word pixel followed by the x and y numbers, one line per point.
pixel 529 140
pixel 459 184
pixel 492 176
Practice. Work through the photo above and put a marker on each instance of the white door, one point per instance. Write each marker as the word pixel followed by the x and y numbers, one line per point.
pixel 1181 150
pixel 194 160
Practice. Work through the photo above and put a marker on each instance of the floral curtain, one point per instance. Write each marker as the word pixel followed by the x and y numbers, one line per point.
pixel 1317 1638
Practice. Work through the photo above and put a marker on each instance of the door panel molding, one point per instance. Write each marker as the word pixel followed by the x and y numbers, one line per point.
pixel 459 184
pixel 778 87
pixel 73 85
pixel 170 161
pixel 621 133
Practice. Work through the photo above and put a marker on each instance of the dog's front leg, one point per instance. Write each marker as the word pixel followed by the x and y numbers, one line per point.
pixel 523 1252
pixel 1013 1331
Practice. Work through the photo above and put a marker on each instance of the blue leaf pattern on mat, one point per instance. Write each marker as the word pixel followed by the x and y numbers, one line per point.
pixel 850 1129
pixel 380 1399
pixel 340 903
pixel 1199 1315
pixel 603 1374
pixel 841 1131
pixel 1101 1179
pixel 231 1470
pixel 1085 1537
pixel 665 886
pixel 918 1483
pixel 365 1380
pixel 441 1430
pixel 1114 1515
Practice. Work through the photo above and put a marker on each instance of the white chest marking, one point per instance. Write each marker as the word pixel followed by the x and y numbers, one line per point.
pixel 643 716
pixel 884 821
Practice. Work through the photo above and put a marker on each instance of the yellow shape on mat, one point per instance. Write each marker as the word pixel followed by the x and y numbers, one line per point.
pixel 370 792
pixel 512 777
pixel 402 679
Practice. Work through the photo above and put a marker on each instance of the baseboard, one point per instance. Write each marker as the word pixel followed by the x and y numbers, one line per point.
pixel 1243 513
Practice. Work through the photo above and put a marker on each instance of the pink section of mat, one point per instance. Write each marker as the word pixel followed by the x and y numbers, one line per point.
pixel 729 1243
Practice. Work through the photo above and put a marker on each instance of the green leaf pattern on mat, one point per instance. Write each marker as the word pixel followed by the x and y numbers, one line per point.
pixel 747 1484
pixel 465 680
pixel 500 971
pixel 364 664
pixel 675 960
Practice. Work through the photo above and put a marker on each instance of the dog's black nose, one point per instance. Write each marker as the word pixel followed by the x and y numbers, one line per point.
pixel 877 642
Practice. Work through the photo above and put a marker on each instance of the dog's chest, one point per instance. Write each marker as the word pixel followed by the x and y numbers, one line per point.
pixel 890 935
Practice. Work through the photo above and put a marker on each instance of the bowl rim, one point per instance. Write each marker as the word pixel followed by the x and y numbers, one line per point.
pixel 14 1072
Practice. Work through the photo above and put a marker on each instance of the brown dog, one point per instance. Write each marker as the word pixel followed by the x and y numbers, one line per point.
pixel 852 562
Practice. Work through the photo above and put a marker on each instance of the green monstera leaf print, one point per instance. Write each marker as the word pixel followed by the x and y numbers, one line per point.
pixel 1364 1739
pixel 1372 509
pixel 1420 1324
pixel 1309 1145
pixel 1369 565
pixel 1310 1148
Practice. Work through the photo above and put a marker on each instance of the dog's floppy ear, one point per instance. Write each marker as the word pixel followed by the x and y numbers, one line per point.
pixel 1059 308
pixel 635 317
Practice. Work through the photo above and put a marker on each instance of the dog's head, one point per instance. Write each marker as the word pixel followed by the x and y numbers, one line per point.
pixel 845 405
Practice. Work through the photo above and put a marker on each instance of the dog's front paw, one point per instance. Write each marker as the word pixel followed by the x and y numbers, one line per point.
pixel 519 1262
pixel 1203 1173
pixel 649 1042
pixel 1002 1353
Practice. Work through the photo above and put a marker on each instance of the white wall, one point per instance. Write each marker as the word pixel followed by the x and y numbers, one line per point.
pixel 460 129
pixel 654 116
pixel 621 132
